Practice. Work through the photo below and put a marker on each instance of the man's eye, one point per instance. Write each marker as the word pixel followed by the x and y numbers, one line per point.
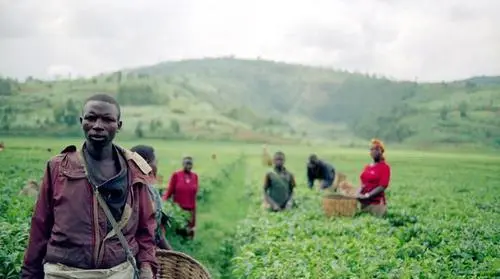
pixel 90 118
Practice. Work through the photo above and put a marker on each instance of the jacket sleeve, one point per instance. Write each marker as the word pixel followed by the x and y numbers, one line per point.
pixel 145 235
pixel 41 227
pixel 330 173
pixel 292 183
pixel 170 187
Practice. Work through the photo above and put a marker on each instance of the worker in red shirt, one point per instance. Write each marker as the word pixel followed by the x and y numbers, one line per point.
pixel 183 186
pixel 374 181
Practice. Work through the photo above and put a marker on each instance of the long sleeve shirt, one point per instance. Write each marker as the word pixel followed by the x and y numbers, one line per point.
pixel 183 186
pixel 323 171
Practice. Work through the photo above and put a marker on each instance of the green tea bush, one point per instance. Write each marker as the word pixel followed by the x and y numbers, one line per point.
pixel 18 165
pixel 442 223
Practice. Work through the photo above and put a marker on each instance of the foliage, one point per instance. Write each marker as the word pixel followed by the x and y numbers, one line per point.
pixel 137 95
pixel 7 87
pixel 7 117
pixel 29 161
pixel 387 126
pixel 462 107
pixel 443 113
pixel 68 114
pixel 155 124
pixel 442 218
pixel 442 223
pixel 139 131
pixel 178 218
pixel 269 101
pixel 175 127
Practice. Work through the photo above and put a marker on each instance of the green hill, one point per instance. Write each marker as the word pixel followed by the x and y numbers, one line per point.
pixel 259 100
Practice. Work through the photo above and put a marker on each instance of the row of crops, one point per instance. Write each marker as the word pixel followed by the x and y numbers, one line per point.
pixel 16 209
pixel 443 223
pixel 444 219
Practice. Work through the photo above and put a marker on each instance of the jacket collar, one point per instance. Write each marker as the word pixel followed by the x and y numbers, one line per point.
pixel 73 164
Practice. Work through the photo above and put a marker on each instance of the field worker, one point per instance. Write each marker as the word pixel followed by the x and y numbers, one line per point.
pixel 183 187
pixel 278 185
pixel 318 169
pixel 374 180
pixel 148 153
pixel 91 200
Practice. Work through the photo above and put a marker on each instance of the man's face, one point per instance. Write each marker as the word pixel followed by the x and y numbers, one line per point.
pixel 313 162
pixel 187 164
pixel 279 160
pixel 100 122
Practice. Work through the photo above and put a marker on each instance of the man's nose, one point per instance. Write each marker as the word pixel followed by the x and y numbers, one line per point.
pixel 98 124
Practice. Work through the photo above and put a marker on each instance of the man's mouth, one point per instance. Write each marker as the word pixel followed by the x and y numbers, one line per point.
pixel 97 137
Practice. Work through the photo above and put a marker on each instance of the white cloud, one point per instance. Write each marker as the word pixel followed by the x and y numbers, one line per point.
pixel 431 40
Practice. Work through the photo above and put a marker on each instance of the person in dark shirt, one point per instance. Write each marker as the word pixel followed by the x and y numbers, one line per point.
pixel 318 169
pixel 279 185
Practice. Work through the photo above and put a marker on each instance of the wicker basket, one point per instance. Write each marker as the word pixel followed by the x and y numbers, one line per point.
pixel 339 205
pixel 177 265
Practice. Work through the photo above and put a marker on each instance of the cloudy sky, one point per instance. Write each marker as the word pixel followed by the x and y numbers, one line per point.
pixel 406 39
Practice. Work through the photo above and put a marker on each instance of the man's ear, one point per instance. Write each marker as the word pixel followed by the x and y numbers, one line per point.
pixel 120 124
pixel 81 120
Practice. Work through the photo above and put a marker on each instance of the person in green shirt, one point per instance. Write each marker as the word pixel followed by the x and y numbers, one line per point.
pixel 279 184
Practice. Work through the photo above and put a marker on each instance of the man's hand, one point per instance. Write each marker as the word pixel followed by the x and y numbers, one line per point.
pixel 275 207
pixel 146 273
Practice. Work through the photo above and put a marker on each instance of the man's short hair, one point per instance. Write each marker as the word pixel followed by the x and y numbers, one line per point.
pixel 279 153
pixel 104 98
pixel 147 152
pixel 313 157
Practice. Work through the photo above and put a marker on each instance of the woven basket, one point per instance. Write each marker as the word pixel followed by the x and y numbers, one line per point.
pixel 339 205
pixel 177 265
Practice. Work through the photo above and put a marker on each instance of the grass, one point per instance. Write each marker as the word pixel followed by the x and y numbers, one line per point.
pixel 443 221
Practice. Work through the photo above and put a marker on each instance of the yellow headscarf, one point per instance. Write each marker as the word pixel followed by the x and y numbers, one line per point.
pixel 378 143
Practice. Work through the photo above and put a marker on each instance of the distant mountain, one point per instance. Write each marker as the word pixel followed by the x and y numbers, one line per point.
pixel 267 100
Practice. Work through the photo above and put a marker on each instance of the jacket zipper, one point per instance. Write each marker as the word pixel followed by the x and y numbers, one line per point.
pixel 97 239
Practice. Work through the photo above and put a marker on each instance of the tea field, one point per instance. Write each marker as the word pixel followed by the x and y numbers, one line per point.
pixel 443 222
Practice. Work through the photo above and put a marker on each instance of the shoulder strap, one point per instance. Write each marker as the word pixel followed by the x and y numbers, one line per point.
pixel 119 234
pixel 111 219
pixel 279 178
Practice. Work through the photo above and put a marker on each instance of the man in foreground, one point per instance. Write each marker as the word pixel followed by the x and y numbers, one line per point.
pixel 84 195
pixel 318 169
pixel 279 185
